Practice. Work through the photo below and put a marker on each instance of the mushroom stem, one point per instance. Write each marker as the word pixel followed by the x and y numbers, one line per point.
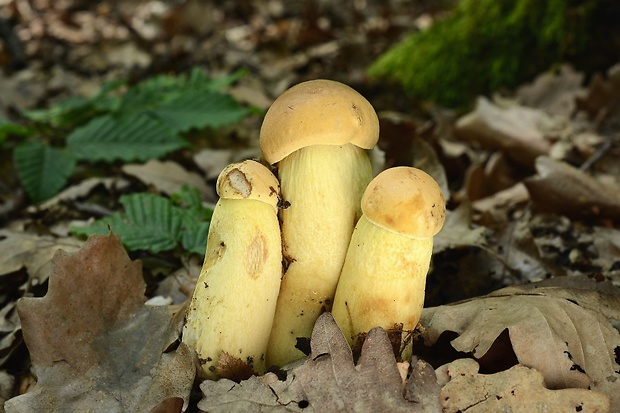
pixel 382 290
pixel 384 273
pixel 232 308
pixel 323 185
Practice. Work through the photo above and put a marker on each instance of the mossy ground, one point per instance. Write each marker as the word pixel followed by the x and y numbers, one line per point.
pixel 488 45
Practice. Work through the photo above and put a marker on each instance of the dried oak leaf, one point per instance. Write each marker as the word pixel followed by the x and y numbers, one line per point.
pixel 34 252
pixel 563 189
pixel 570 344
pixel 326 381
pixel 518 389
pixel 93 343
pixel 516 131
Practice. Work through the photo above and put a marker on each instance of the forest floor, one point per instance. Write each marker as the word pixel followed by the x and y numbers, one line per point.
pixel 531 177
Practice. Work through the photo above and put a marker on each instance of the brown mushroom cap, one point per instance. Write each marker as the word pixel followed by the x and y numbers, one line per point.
pixel 317 112
pixel 405 200
pixel 249 180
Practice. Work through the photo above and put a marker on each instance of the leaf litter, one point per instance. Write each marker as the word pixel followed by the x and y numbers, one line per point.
pixel 94 345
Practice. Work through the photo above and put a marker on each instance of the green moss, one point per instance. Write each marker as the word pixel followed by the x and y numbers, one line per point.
pixel 486 45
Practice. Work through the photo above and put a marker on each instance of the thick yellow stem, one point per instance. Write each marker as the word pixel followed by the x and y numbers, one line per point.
pixel 323 185
pixel 382 283
pixel 233 306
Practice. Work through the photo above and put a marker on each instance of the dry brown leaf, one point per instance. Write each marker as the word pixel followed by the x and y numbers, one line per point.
pixel 569 344
pixel 515 131
pixel 327 381
pixel 566 190
pixel 601 92
pixel 168 177
pixel 554 92
pixel 34 252
pixel 93 343
pixel 519 390
pixel 82 189
pixel 458 231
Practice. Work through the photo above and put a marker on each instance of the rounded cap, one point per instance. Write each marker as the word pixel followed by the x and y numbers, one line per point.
pixel 317 112
pixel 249 180
pixel 405 200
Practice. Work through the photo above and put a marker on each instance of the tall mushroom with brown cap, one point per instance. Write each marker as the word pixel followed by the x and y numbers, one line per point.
pixel 233 305
pixel 318 133
pixel 384 274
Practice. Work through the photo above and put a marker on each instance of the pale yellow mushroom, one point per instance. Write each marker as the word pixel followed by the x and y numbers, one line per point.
pixel 384 274
pixel 318 132
pixel 234 301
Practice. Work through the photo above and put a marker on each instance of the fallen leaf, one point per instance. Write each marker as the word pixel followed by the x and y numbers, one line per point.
pixel 7 382
pixel 554 91
pixel 458 231
pixel 326 381
pixel 518 389
pixel 601 92
pixel 566 190
pixel 516 131
pixel 570 345
pixel 168 177
pixel 81 190
pixel 94 345
pixel 22 250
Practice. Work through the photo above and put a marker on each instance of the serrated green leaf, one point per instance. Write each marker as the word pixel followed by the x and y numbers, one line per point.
pixel 199 109
pixel 150 222
pixel 184 102
pixel 194 238
pixel 107 138
pixel 42 170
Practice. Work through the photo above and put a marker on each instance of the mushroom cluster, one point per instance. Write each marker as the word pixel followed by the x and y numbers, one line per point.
pixel 319 235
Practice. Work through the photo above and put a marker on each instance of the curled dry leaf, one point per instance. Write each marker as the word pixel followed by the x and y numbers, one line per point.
pixel 34 252
pixel 519 389
pixel 516 131
pixel 168 177
pixel 326 381
pixel 93 343
pixel 566 190
pixel 571 345
pixel 458 231
pixel 553 92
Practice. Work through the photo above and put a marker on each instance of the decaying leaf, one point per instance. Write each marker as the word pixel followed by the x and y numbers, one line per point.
pixel 458 231
pixel 554 92
pixel 19 250
pixel 82 189
pixel 516 131
pixel 519 389
pixel 326 381
pixel 571 345
pixel 563 189
pixel 93 343
pixel 168 177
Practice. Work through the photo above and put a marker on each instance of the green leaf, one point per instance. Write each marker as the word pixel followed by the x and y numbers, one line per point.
pixel 153 223
pixel 74 111
pixel 107 139
pixel 194 238
pixel 199 109
pixel 150 223
pixel 9 128
pixel 43 170
pixel 184 102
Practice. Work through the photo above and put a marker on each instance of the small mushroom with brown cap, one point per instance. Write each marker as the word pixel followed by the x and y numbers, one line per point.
pixel 318 133
pixel 233 305
pixel 384 274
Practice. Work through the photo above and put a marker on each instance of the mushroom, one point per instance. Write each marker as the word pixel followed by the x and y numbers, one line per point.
pixel 318 133
pixel 233 305
pixel 384 274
